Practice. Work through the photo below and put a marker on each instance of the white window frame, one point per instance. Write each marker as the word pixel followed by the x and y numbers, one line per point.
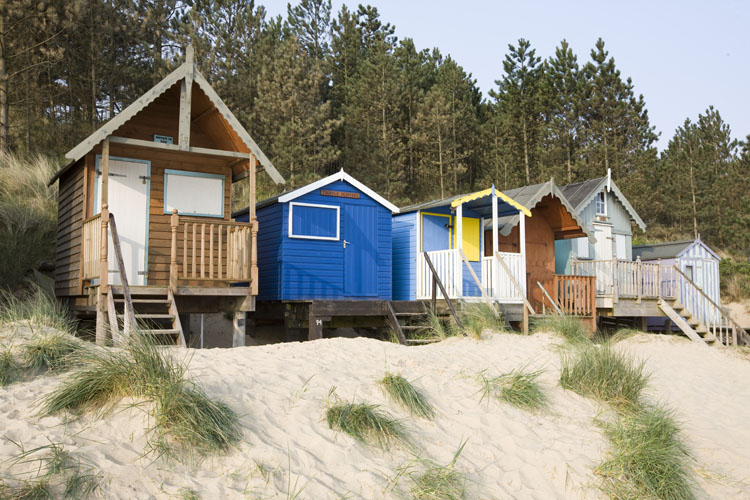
pixel 337 208
pixel 604 203
pixel 195 175
pixel 583 242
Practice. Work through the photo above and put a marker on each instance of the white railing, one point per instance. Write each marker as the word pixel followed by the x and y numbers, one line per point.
pixel 496 282
pixel 447 263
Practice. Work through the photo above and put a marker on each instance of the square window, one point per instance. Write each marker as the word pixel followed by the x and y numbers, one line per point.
pixel 194 193
pixel 314 222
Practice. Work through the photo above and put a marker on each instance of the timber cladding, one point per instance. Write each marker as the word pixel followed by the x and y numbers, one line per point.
pixel 160 231
pixel 70 212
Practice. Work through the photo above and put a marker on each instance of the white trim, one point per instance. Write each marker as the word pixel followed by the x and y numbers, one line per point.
pixel 177 75
pixel 338 176
pixel 315 205
pixel 604 202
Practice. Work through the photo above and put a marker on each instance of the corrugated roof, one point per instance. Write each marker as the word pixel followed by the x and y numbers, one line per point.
pixel 668 250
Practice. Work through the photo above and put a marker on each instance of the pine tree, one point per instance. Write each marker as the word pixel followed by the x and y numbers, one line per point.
pixel 310 21
pixel 290 116
pixel 517 98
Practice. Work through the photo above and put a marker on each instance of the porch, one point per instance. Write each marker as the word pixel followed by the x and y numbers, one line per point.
pixel 648 289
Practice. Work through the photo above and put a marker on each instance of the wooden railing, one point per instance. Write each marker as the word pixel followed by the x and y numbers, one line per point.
pixel 92 231
pixel 219 251
pixel 629 279
pixel 447 266
pixel 496 282
pixel 575 295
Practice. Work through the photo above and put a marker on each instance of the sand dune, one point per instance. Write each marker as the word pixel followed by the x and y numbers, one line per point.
pixel 281 392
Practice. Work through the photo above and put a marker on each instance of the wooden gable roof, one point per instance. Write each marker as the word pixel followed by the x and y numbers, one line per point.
pixel 214 125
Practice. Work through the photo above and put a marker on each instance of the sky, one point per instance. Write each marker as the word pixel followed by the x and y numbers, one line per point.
pixel 681 55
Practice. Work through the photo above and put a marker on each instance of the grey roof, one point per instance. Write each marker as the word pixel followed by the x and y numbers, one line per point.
pixel 580 195
pixel 668 250
pixel 529 196
pixel 480 206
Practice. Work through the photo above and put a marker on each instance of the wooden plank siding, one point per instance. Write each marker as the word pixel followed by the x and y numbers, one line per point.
pixel 70 207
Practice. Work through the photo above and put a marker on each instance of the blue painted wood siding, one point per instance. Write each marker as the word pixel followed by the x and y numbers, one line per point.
pixel 306 269
pixel 404 256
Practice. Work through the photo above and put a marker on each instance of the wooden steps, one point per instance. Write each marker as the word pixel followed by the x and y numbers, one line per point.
pixel 154 311
pixel 686 322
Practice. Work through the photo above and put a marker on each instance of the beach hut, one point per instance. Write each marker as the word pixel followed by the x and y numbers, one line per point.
pixel 328 240
pixel 445 235
pixel 553 219
pixel 144 229
pixel 697 262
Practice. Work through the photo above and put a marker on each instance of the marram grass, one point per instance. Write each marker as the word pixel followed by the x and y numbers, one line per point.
pixel 185 418
pixel 568 327
pixel 433 481
pixel 366 423
pixel 35 308
pixel 50 352
pixel 479 317
pixel 647 459
pixel 600 372
pixel 402 392
pixel 10 369
pixel 518 388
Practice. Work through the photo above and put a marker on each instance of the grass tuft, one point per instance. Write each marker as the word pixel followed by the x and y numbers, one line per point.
pixel 432 481
pixel 10 369
pixel 35 308
pixel 598 371
pixel 51 352
pixel 480 317
pixel 185 418
pixel 366 423
pixel 568 327
pixel 647 458
pixel 402 392
pixel 29 490
pixel 519 388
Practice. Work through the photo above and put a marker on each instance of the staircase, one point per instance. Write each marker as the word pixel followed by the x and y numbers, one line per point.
pixel 687 322
pixel 155 313
pixel 412 319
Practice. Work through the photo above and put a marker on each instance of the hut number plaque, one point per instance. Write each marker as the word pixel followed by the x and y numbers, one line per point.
pixel 339 194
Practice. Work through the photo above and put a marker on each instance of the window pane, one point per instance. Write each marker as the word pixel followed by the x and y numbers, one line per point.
pixel 317 222
pixel 193 193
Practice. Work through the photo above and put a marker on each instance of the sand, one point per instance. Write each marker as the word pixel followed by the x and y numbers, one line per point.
pixel 281 392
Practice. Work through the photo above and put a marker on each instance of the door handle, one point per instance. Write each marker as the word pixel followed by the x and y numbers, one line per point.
pixel 346 243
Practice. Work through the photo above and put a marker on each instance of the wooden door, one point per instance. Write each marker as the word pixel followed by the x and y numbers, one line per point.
pixel 360 250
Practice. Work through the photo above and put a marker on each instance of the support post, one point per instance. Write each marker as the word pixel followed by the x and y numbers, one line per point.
pixel 658 278
pixel 314 326
pixel 459 268
pixel 101 295
pixel 174 222
pixel 522 244
pixel 238 329
pixel 254 220
pixel 495 271
pixel 614 280
pixel 186 99
pixel 638 280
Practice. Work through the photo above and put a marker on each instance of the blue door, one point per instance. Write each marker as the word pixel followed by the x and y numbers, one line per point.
pixel 435 234
pixel 360 242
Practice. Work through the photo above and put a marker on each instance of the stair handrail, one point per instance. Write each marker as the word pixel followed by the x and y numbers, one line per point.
pixel 129 317
pixel 557 308
pixel 436 280
pixel 723 311
pixel 477 281
pixel 504 266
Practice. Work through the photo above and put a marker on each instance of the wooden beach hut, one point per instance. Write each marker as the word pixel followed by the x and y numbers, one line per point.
pixel 553 219
pixel 324 252
pixel 144 228
pixel 697 262
pixel 443 239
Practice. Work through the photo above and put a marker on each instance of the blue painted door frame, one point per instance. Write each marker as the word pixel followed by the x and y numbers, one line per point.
pixel 360 241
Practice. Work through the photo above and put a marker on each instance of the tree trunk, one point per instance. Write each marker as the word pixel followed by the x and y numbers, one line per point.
pixel 440 160
pixel 526 151
pixel 4 108
pixel 695 209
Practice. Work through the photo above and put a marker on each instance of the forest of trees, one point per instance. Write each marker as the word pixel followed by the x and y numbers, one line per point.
pixel 320 90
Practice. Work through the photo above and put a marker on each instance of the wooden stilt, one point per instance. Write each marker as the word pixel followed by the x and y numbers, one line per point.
pixel 238 329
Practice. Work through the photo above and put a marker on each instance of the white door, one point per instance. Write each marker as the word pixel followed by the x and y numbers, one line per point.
pixel 128 202
pixel 603 246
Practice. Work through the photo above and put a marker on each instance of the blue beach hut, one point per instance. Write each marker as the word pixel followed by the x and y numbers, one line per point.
pixel 328 240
